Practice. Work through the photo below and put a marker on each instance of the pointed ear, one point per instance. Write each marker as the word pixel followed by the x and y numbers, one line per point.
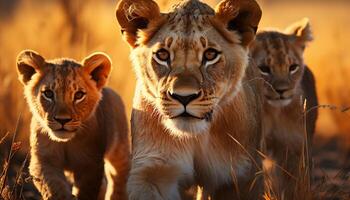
pixel 98 67
pixel 301 30
pixel 242 16
pixel 133 15
pixel 29 63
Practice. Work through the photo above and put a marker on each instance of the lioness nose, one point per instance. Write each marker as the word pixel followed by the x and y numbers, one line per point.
pixel 62 121
pixel 184 100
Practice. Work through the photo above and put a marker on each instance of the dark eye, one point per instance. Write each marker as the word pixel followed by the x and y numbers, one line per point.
pixel 210 54
pixel 49 94
pixel 293 68
pixel 265 69
pixel 79 95
pixel 163 55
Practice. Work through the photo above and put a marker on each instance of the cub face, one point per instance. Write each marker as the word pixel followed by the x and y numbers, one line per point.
pixel 279 56
pixel 62 94
pixel 191 60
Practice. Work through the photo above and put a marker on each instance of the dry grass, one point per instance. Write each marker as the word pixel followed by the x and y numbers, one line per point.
pixel 51 27
pixel 13 168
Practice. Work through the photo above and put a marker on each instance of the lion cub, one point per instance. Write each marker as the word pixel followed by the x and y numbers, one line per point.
pixel 78 126
pixel 288 82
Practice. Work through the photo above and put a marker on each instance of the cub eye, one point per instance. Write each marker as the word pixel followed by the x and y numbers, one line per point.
pixel 163 55
pixel 79 95
pixel 265 70
pixel 293 68
pixel 211 54
pixel 48 94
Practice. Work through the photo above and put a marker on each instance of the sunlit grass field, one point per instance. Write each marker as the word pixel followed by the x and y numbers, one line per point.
pixel 56 30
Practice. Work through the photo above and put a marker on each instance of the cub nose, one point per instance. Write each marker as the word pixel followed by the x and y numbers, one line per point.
pixel 281 86
pixel 62 120
pixel 184 100
pixel 280 91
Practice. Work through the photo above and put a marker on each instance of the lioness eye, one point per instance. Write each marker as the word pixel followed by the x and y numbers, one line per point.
pixel 79 95
pixel 293 68
pixel 48 94
pixel 211 54
pixel 265 70
pixel 163 55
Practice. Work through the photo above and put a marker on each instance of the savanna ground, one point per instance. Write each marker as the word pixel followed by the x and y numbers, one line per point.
pixel 64 28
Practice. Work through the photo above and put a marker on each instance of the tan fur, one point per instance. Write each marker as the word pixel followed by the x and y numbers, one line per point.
pixel 284 122
pixel 172 151
pixel 95 138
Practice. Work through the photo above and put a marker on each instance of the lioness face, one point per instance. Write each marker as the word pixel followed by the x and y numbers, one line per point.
pixel 189 67
pixel 62 95
pixel 279 57
pixel 188 75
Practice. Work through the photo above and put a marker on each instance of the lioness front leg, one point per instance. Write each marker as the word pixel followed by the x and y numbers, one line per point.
pixel 157 182
pixel 50 181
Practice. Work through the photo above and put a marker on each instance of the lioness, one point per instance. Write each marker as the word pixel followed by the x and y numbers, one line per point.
pixel 196 112
pixel 77 126
pixel 288 83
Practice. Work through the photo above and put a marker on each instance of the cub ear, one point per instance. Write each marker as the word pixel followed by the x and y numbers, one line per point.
pixel 242 16
pixel 29 63
pixel 133 15
pixel 301 30
pixel 98 67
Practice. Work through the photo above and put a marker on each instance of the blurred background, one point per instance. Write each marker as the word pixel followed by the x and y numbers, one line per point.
pixel 76 28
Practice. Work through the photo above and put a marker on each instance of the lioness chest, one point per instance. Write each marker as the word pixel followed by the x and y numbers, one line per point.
pixel 215 167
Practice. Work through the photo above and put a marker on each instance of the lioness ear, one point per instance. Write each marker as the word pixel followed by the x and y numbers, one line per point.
pixel 133 15
pixel 98 66
pixel 28 63
pixel 242 16
pixel 301 30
